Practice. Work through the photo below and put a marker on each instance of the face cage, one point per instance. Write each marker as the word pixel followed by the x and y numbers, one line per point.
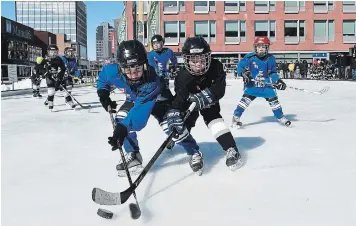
pixel 196 58
pixel 156 43
pixel 261 55
pixel 69 53
pixel 131 70
pixel 52 53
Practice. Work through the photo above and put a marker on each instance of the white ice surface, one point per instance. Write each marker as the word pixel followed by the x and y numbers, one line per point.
pixel 23 84
pixel 300 176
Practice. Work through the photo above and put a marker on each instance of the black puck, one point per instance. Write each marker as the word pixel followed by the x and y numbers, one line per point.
pixel 135 211
pixel 105 213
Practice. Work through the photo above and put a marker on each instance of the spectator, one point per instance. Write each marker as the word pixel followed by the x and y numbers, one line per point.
pixel 291 69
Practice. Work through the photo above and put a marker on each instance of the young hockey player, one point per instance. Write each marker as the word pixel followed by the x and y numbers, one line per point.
pixel 258 70
pixel 72 68
pixel 55 76
pixel 37 74
pixel 203 81
pixel 160 56
pixel 148 95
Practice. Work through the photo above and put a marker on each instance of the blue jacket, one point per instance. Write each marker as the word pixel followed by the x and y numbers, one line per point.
pixel 143 95
pixel 159 61
pixel 72 66
pixel 263 72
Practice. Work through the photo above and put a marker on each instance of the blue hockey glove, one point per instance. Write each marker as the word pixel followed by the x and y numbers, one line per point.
pixel 203 100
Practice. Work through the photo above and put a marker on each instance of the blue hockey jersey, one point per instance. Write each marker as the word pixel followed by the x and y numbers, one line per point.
pixel 71 65
pixel 159 61
pixel 143 95
pixel 263 72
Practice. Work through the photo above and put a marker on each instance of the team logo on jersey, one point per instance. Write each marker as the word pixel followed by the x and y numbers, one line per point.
pixel 255 65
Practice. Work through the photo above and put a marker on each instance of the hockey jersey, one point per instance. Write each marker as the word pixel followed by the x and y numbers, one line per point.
pixel 263 71
pixel 143 95
pixel 159 61
pixel 71 65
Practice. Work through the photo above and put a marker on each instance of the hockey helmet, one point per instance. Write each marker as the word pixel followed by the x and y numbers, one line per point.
pixel 261 46
pixel 52 51
pixel 157 42
pixel 132 59
pixel 69 52
pixel 196 55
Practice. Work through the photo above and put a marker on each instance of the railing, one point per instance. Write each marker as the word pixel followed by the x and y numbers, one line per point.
pixel 88 76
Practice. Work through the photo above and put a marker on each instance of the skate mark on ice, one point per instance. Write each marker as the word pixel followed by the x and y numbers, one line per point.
pixel 266 119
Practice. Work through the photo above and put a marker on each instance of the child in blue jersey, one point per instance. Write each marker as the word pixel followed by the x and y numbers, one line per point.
pixel 147 95
pixel 71 70
pixel 160 56
pixel 258 70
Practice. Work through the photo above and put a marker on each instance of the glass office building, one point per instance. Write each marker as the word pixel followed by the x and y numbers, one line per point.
pixel 69 18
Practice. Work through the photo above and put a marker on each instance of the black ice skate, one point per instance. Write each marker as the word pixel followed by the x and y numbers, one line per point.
pixel 35 93
pixel 233 159
pixel 285 121
pixel 50 105
pixel 46 102
pixel 196 163
pixel 134 164
pixel 38 94
pixel 71 104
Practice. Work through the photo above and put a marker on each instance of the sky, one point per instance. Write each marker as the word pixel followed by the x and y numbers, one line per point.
pixel 97 12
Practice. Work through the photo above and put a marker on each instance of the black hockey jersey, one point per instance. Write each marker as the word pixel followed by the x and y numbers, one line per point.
pixel 186 83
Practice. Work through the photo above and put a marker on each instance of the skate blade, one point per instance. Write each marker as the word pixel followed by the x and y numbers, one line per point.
pixel 199 172
pixel 136 170
pixel 236 166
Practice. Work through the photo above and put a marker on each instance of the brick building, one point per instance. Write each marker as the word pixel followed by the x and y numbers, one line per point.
pixel 297 29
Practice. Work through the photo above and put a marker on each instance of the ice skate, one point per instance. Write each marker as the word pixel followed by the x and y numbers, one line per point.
pixel 285 121
pixel 196 163
pixel 134 164
pixel 71 104
pixel 236 123
pixel 50 105
pixel 233 159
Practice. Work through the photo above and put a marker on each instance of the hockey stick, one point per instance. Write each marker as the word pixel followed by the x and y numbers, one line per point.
pixel 85 107
pixel 136 211
pixel 102 197
pixel 319 92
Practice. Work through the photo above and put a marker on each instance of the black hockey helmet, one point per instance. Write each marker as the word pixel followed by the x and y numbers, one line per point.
pixel 52 51
pixel 159 40
pixel 132 57
pixel 196 55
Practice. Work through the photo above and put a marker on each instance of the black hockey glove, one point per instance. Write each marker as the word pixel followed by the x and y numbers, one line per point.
pixel 246 76
pixel 117 140
pixel 173 122
pixel 104 97
pixel 280 85
pixel 203 100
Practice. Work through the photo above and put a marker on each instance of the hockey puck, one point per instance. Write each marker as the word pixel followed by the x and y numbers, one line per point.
pixel 105 213
pixel 135 211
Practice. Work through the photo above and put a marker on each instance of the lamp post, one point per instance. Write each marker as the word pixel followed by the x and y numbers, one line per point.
pixel 134 15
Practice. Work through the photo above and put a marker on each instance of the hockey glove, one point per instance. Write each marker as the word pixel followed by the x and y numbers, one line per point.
pixel 104 97
pixel 203 100
pixel 280 85
pixel 246 76
pixel 173 122
pixel 117 140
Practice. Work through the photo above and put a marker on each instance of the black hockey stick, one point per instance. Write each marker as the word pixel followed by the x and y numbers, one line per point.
pixel 135 210
pixel 85 107
pixel 102 197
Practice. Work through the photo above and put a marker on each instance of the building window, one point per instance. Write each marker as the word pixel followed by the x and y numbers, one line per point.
pixel 235 32
pixel 323 6
pixel 265 6
pixel 294 6
pixel 349 6
pixel 170 7
pixel 174 32
pixel 294 31
pixel 349 31
pixel 242 6
pixel 206 29
pixel 204 6
pixel 181 6
pixel 231 6
pixel 324 31
pixel 266 28
pixel 181 31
